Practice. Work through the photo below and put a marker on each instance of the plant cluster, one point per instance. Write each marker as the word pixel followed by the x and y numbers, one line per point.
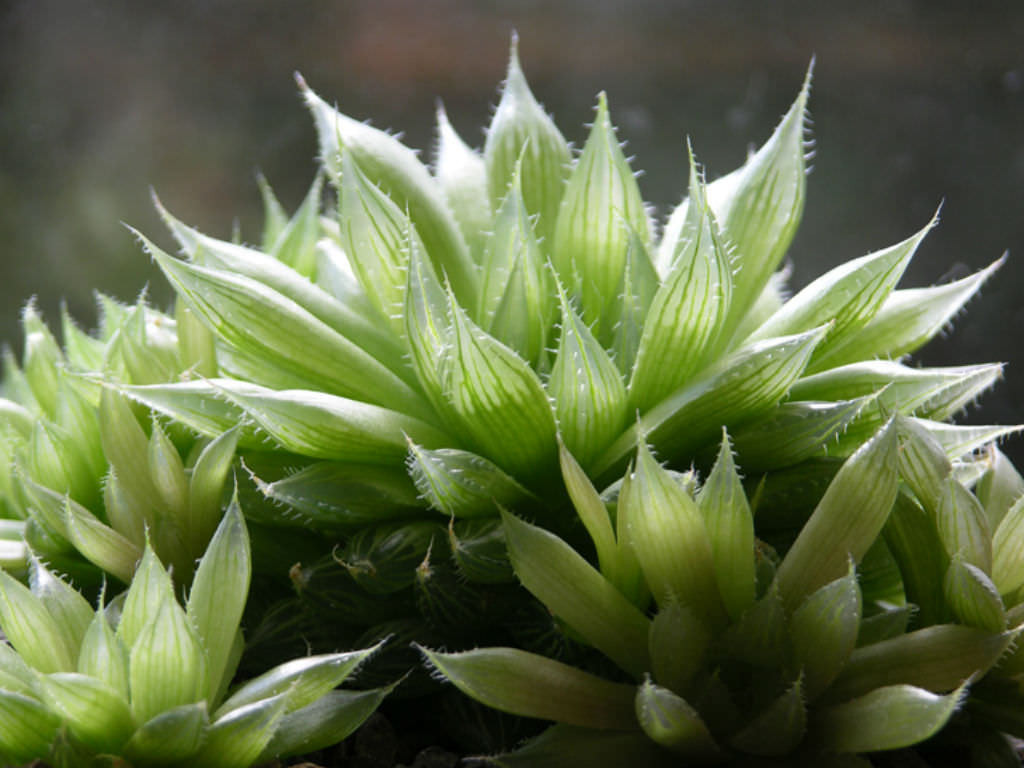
pixel 489 408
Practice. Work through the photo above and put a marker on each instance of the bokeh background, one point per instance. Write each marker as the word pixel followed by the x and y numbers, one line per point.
pixel 915 102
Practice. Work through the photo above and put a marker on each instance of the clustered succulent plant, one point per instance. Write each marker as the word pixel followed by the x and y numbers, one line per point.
pixel 486 420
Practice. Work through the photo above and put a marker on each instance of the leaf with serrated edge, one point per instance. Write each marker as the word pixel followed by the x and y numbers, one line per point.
pixel 578 594
pixel 677 641
pixel 670 721
pixel 1007 544
pixel 150 590
pixel 236 739
pixel 206 486
pixel 64 603
pixel 30 728
pixel 592 512
pixel 973 597
pixel 1000 487
pixel 887 718
pixel 102 655
pixel 176 734
pixel 462 176
pixel 295 245
pixel 847 520
pixel 824 630
pixel 913 539
pixel 95 713
pixel 30 628
pixel 530 685
pixel 962 525
pixel 686 315
pixel 100 544
pixel 398 172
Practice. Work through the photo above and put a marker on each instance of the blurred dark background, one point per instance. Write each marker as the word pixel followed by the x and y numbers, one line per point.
pixel 915 102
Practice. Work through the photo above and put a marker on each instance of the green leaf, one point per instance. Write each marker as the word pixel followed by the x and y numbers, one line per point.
pixel 462 176
pixel 96 714
pixel 1007 544
pixel 973 597
pixel 396 170
pixel 600 206
pixel 741 387
pixel 962 525
pixel 258 321
pixel 64 603
pixel 779 728
pixel 659 520
pixel 521 129
pixel 174 735
pixel 576 593
pixel 168 472
pixel 671 722
pixel 761 636
pixel 237 738
pixel 824 630
pixel 908 319
pixel 427 326
pixel 383 558
pixel 594 515
pixel 327 721
pixel 846 521
pixel 41 360
pixel 629 314
pixel 478 549
pixel 29 729
pixel 219 592
pixel 678 641
pixel 849 295
pixel 924 465
pixel 530 685
pixel 499 399
pixel 330 495
pixel 206 487
pixel 32 630
pixel 100 544
pixel 167 665
pixel 373 236
pixel 325 426
pixel 912 537
pixel 198 405
pixel 301 681
pixel 999 488
pixel 354 318
pixel 795 431
pixel 687 314
pixel 149 591
pixel 295 245
pixel 759 205
pixel 461 484
pixel 937 658
pixel 722 503
pixel 275 218
pixel 892 717
pixel 587 389
pixel 103 657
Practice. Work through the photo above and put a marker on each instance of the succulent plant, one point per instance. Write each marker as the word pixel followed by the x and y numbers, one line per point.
pixel 146 679
pixel 749 656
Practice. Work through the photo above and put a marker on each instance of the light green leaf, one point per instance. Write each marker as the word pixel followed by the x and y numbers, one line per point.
pixel 100 544
pixel 779 728
pixel 522 129
pixel 499 399
pixel 678 641
pixel 824 630
pixel 96 714
pixel 295 244
pixel 373 236
pixel 174 735
pixel 761 636
pixel 759 205
pixel 325 426
pixel 32 630
pixel 577 594
pixel 1000 487
pixel 149 592
pixel 587 389
pixel 892 717
pixel 937 658
pixel 103 657
pixel 219 592
pixel 396 170
pixel 462 176
pixel 30 728
pixel 671 722
pixel 461 484
pixel 593 513
pixel 924 465
pixel 973 597
pixel 168 472
pixel 1007 544
pixel 275 218
pixel 659 520
pixel 687 314
pixel 848 295
pixel 913 539
pixel 258 321
pixel 41 360
pixel 427 326
pixel 530 685
pixel 237 738
pixel 962 525
pixel 198 405
pixel 847 520
pixel 600 206
pixel 64 603
pixel 629 314
pixel 722 503
pixel 328 720
pixel 908 319
pixel 206 487
pixel 167 665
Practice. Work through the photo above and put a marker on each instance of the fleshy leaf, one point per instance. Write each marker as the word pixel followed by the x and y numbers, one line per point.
pixel 461 484
pixel 567 746
pixel 206 487
pixel 824 630
pixel 30 728
pixel 887 718
pixel 578 594
pixel 779 728
pixel 913 539
pixel 1007 544
pixel 95 713
pixel 593 513
pixel 462 176
pixel 534 686
pixel 150 590
pixel 100 544
pixel 962 525
pixel 686 316
pixel 678 640
pixel 521 129
pixel 999 488
pixel 174 735
pixel 396 170
pixel 103 657
pixel 629 314
pixel 973 597
pixel 478 549
pixel 760 637
pixel 236 739
pixel 600 207
pixel 587 389
pixel 33 632
pixel 670 721
pixel 295 244
pixel 847 520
